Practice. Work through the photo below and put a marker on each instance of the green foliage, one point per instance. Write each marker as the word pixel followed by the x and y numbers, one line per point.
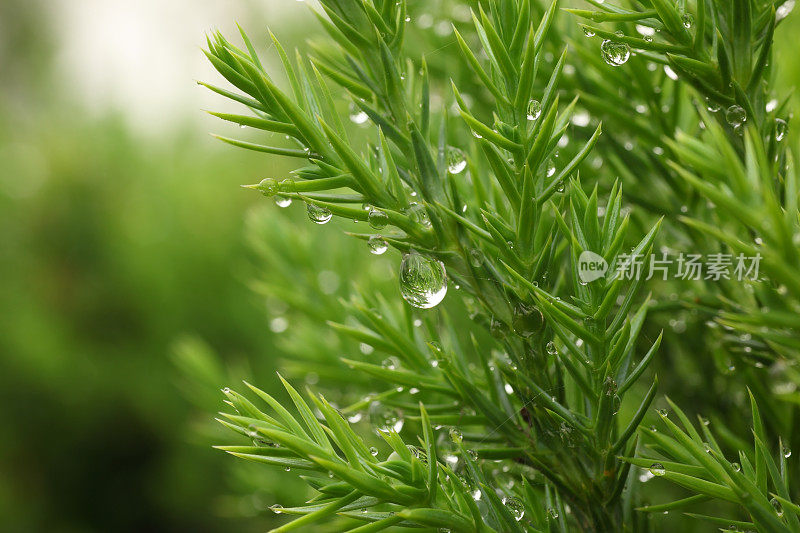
pixel 541 380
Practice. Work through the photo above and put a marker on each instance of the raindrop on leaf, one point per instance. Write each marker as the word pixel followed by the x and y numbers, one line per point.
pixel 735 115
pixel 423 280
pixel 377 245
pixel 615 53
pixel 534 109
pixel 551 348
pixel 657 469
pixel 515 506
pixel 456 161
pixel 377 219
pixel 780 129
pixel 318 214
pixel 776 506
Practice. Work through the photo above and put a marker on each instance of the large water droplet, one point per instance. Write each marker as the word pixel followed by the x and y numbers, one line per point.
pixel 377 245
pixel 735 115
pixel 527 320
pixel 534 109
pixel 615 53
pixel 516 507
pixel 423 281
pixel 657 469
pixel 283 201
pixel 687 20
pixel 318 214
pixel 456 161
pixel 377 219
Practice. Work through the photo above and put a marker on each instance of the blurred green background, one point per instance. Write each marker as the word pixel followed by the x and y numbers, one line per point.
pixel 123 242
pixel 121 226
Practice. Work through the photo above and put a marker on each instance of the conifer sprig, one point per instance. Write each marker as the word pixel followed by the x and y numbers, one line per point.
pixel 528 364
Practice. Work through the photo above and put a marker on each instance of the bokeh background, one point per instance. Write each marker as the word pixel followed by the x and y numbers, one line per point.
pixel 125 264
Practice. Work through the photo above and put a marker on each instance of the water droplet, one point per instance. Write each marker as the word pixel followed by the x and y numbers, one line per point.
pixel 268 187
pixel 776 505
pixel 288 469
pixel 736 467
pixel 661 412
pixel 657 469
pixel 455 435
pixel 534 109
pixel 552 512
pixel 456 161
pixel 551 168
pixel 780 129
pixel 615 53
pixel 373 451
pixel 516 507
pixel 377 219
pixel 318 214
pixel 551 348
pixel 609 386
pixel 357 116
pixel 735 115
pixel 417 213
pixel 771 106
pixel 377 245
pixel 587 32
pixel 391 363
pixel 687 20
pixel 783 11
pixel 283 201
pixel 476 257
pixel 423 280
pixel 787 452
pixel 527 320
pixel 277 508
